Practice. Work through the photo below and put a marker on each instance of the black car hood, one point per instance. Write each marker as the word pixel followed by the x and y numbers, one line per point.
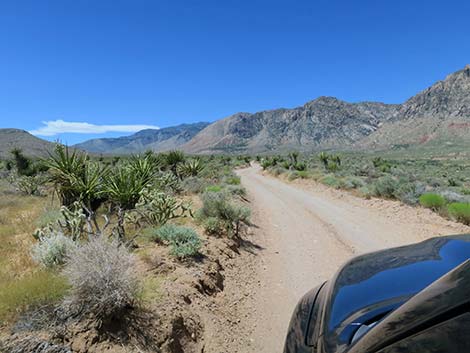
pixel 370 286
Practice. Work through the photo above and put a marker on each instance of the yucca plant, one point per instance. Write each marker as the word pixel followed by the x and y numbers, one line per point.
pixel 123 188
pixel 64 168
pixel 173 159
pixel 144 167
pixel 324 158
pixel 191 167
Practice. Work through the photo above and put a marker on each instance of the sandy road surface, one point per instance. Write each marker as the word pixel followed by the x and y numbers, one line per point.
pixel 305 232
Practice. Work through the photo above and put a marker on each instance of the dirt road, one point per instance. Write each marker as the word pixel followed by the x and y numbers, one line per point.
pixel 305 232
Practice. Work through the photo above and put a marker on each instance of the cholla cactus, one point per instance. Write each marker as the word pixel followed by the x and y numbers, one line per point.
pixel 72 224
pixel 157 208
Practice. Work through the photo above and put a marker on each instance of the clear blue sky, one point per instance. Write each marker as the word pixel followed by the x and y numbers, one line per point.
pixel 162 63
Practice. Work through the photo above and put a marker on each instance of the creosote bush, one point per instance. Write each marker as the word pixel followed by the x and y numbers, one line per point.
pixel 460 211
pixel 231 214
pixel 386 186
pixel 104 283
pixel 432 201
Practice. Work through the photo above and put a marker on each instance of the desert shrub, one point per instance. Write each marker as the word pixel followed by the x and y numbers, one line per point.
pixel 460 211
pixel 434 182
pixel 194 185
pixel 292 176
pixel 29 185
pixel 296 174
pixel 365 192
pixel 300 166
pixel 432 201
pixel 330 180
pixel 452 196
pixel 34 289
pixel 237 190
pixel 453 182
pixel 214 188
pixel 232 180
pixel 103 280
pixel 184 242
pixel 218 205
pixel 213 226
pixel 386 186
pixel 277 170
pixel 465 191
pixel 332 166
pixel 52 250
pixel 352 183
pixel 409 193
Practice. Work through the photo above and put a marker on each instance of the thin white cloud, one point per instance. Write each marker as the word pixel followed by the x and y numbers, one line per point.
pixel 56 127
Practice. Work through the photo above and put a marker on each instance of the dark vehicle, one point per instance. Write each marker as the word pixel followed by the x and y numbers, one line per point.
pixel 410 299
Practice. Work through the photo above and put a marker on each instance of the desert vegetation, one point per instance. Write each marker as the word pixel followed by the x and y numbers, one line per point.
pixel 440 184
pixel 82 235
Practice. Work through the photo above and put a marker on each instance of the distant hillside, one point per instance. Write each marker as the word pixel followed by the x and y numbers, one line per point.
pixel 156 140
pixel 438 115
pixel 15 138
pixel 325 122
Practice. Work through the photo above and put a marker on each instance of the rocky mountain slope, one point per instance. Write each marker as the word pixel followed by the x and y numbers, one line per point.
pixel 325 122
pixel 156 140
pixel 16 138
pixel 438 115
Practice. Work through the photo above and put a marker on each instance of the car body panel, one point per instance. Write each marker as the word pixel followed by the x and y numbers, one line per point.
pixel 370 286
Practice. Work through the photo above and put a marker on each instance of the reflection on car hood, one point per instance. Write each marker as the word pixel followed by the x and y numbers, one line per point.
pixel 371 285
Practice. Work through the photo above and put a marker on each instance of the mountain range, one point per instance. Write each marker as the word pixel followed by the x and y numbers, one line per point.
pixel 438 115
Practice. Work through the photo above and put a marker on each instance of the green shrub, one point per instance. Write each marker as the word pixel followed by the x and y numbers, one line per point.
pixel 365 192
pixel 218 205
pixel 432 201
pixel 194 185
pixel 232 180
pixel 213 226
pixel 409 193
pixel 184 242
pixel 300 166
pixel 352 183
pixel 236 190
pixel 331 181
pixel 460 211
pixel 277 170
pixel 214 188
pixel 386 187
pixel 292 175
